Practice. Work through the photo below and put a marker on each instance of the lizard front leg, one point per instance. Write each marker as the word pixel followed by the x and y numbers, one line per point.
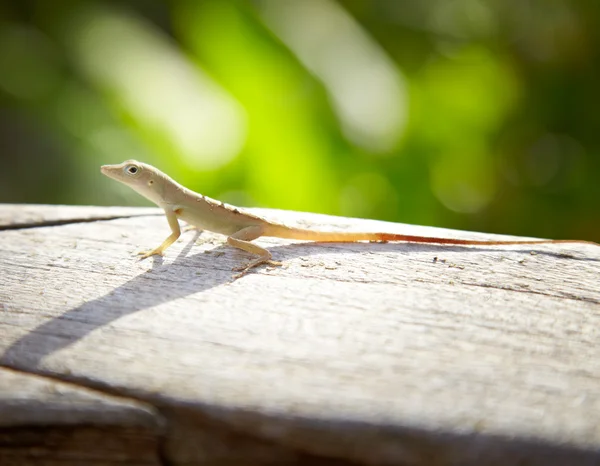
pixel 175 233
pixel 241 239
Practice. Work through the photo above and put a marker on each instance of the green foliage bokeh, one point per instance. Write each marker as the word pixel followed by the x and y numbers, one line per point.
pixel 468 114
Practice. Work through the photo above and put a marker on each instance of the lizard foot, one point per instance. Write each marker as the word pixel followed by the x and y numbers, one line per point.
pixel 153 252
pixel 244 269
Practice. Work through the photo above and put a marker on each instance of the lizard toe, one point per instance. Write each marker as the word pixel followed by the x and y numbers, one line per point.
pixel 146 254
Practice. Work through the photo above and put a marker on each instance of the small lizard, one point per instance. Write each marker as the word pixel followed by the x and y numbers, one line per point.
pixel 240 226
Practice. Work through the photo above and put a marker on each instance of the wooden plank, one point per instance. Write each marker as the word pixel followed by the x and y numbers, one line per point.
pixel 376 353
pixel 45 421
pixel 31 215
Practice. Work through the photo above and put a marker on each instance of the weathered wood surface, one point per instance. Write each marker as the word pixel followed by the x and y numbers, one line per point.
pixel 41 418
pixel 372 353
pixel 34 215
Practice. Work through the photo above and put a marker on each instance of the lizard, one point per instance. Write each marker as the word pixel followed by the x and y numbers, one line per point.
pixel 242 227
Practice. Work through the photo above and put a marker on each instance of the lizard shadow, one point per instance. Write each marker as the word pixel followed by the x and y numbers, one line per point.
pixel 186 275
pixel 301 249
pixel 161 283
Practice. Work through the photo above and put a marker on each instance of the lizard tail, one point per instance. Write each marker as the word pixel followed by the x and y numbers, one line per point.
pixel 282 231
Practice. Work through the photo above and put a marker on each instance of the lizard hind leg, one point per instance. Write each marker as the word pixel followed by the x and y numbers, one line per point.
pixel 241 240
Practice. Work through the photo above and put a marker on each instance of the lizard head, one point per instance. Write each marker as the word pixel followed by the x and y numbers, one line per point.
pixel 143 178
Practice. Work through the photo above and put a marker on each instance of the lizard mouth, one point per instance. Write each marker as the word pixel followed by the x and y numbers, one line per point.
pixel 107 170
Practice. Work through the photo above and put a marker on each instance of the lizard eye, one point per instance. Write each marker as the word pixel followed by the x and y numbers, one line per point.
pixel 132 169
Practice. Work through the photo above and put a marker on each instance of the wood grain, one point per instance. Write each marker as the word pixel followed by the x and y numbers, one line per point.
pixel 373 353
pixel 43 419
pixel 34 215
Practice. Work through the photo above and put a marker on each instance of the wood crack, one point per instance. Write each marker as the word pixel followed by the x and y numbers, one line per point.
pixel 157 429
pixel 568 296
pixel 60 222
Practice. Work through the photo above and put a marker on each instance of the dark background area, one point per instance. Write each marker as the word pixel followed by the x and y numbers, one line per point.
pixel 469 114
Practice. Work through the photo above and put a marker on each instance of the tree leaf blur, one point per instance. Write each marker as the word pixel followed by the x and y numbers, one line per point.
pixel 469 114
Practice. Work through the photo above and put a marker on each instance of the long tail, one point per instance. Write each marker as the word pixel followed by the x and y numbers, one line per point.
pixel 281 231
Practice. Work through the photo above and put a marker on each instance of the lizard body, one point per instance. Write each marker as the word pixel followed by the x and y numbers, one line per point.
pixel 240 226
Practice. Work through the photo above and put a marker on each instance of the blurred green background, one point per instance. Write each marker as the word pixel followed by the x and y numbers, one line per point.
pixel 469 114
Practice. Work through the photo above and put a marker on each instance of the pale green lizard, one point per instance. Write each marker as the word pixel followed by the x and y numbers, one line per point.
pixel 240 226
